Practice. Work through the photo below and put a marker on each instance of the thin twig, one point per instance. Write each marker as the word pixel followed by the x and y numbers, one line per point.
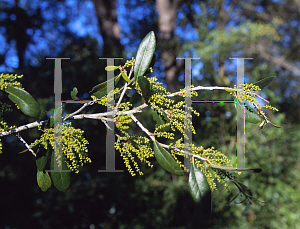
pixel 108 127
pixel 24 127
pixel 81 116
pixel 142 127
pixel 215 88
pixel 124 90
pixel 184 152
pixel 27 146
pixel 181 151
pixel 164 145
pixel 111 113
pixel 80 109
pixel 196 89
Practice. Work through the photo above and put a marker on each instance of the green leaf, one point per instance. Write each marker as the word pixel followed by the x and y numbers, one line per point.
pixel 61 180
pixel 144 55
pixel 24 100
pixel 151 65
pixel 111 68
pixel 125 77
pixel 246 209
pixel 144 85
pixel 160 119
pixel 74 93
pixel 165 159
pixel 42 156
pixel 101 89
pixel 199 188
pixel 43 180
pixel 51 121
pixel 264 82
pixel 250 115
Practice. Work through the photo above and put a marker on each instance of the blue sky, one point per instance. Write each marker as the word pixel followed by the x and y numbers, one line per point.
pixel 84 22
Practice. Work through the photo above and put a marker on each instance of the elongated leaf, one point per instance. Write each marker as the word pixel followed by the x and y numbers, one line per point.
pixel 111 68
pixel 199 186
pixel 151 65
pixel 250 115
pixel 200 191
pixel 165 159
pixel 264 82
pixel 144 55
pixel 125 77
pixel 24 100
pixel 51 121
pixel 101 89
pixel 160 119
pixel 42 156
pixel 144 85
pixel 43 180
pixel 246 209
pixel 275 125
pixel 61 180
pixel 74 94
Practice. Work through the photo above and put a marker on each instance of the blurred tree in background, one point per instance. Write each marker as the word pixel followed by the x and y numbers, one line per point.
pixel 267 31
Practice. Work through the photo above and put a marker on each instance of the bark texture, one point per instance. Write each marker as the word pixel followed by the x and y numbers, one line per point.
pixel 166 25
pixel 109 27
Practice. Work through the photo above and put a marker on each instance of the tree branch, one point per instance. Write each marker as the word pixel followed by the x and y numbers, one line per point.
pixel 113 113
pixel 124 90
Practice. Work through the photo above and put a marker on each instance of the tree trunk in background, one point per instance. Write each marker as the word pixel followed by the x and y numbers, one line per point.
pixel 222 19
pixel 110 30
pixel 166 25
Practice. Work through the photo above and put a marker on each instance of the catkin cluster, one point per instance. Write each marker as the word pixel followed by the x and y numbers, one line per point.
pixel 250 96
pixel 131 147
pixel 74 147
pixel 212 175
pixel 3 124
pixel 9 80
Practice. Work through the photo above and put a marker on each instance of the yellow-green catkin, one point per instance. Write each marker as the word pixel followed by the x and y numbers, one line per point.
pixel 212 175
pixel 250 97
pixel 3 124
pixel 129 63
pixel 9 80
pixel 174 111
pixel 74 146
pixel 132 148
